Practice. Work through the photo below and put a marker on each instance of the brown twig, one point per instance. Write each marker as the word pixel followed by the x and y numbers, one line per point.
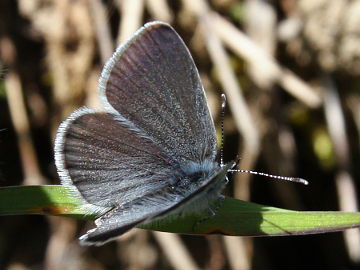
pixel 175 251
pixel 102 29
pixel 131 18
pixel 19 117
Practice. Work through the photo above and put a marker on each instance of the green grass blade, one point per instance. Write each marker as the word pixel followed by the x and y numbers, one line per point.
pixel 233 217
pixel 239 218
pixel 53 200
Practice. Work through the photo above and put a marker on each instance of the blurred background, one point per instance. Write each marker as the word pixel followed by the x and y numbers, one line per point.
pixel 290 70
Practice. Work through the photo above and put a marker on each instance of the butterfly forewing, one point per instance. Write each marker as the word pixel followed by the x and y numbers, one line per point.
pixel 152 81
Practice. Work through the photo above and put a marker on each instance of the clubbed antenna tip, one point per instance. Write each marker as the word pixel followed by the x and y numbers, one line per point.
pixel 223 101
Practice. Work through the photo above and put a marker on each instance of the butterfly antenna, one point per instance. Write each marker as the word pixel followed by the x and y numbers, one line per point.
pixel 278 177
pixel 222 117
pixel 284 178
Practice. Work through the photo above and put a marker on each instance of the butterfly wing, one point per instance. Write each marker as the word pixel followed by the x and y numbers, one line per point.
pixel 109 161
pixel 152 81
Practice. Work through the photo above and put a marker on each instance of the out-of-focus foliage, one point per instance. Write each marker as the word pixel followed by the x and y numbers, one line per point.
pixel 295 64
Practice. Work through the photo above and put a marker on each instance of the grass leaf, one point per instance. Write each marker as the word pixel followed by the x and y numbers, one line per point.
pixel 233 217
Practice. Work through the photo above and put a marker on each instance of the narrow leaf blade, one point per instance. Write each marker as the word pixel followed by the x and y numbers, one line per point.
pixel 233 217
pixel 53 200
pixel 239 218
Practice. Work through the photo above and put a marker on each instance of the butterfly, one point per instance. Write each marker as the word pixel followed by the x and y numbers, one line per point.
pixel 152 151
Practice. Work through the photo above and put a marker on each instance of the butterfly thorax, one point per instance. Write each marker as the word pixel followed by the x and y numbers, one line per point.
pixel 197 186
pixel 193 175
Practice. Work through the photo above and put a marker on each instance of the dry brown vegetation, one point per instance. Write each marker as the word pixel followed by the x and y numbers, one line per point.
pixel 290 70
